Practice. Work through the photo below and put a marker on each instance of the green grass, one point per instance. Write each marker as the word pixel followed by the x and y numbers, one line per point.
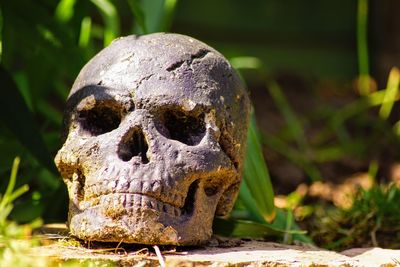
pixel 16 240
pixel 373 220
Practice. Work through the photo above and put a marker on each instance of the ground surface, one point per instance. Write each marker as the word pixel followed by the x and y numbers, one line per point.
pixel 235 253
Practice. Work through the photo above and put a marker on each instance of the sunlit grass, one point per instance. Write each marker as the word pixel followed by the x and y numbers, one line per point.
pixel 391 93
pixel 6 199
pixel 372 220
pixel 17 242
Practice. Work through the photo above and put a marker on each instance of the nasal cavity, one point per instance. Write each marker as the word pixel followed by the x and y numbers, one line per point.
pixel 133 144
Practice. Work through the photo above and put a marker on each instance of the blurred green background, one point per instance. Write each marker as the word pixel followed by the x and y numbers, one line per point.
pixel 316 71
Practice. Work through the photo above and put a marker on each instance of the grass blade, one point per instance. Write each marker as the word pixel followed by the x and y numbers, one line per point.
pixel 256 175
pixel 281 223
pixel 391 92
pixel 139 15
pixel 292 154
pixel 86 28
pixel 65 10
pixel 10 187
pixel 287 237
pixel 110 17
pixel 246 198
pixel 17 193
pixel 371 100
pixel 291 119
pixel 169 8
pixel 256 192
pixel 295 128
pixel 247 63
pixel 364 103
pixel 10 195
pixel 156 14
pixel 243 228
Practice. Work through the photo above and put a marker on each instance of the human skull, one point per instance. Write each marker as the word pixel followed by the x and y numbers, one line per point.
pixel 154 140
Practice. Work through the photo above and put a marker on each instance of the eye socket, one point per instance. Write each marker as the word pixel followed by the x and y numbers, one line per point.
pixel 99 120
pixel 185 128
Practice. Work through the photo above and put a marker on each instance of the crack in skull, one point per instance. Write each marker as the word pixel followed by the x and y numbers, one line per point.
pixel 151 156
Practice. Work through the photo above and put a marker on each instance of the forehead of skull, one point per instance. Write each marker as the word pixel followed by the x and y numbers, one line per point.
pixel 157 69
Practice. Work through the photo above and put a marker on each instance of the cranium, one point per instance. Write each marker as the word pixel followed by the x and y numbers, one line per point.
pixel 154 140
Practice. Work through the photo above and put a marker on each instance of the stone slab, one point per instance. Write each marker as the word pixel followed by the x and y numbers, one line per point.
pixel 243 253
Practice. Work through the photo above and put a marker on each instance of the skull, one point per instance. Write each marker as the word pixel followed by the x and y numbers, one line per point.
pixel 154 141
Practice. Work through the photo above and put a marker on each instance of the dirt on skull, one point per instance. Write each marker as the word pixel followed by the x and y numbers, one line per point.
pixel 154 140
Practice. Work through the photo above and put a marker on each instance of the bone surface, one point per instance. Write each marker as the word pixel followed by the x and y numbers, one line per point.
pixel 154 141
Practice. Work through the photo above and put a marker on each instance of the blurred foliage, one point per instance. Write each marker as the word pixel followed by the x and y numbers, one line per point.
pixel 306 38
pixel 44 44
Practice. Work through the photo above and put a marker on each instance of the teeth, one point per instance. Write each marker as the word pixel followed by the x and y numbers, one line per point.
pixel 147 186
pixel 112 172
pixel 137 200
pixel 156 187
pixel 149 203
pixel 123 184
pixel 112 185
pixel 136 186
pixel 105 201
pixel 102 173
pixel 146 203
pixel 124 200
pixel 154 204
pixel 115 201
pixel 127 185
pixel 118 185
pixel 129 200
pixel 135 192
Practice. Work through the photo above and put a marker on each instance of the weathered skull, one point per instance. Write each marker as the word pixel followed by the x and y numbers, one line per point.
pixel 155 131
